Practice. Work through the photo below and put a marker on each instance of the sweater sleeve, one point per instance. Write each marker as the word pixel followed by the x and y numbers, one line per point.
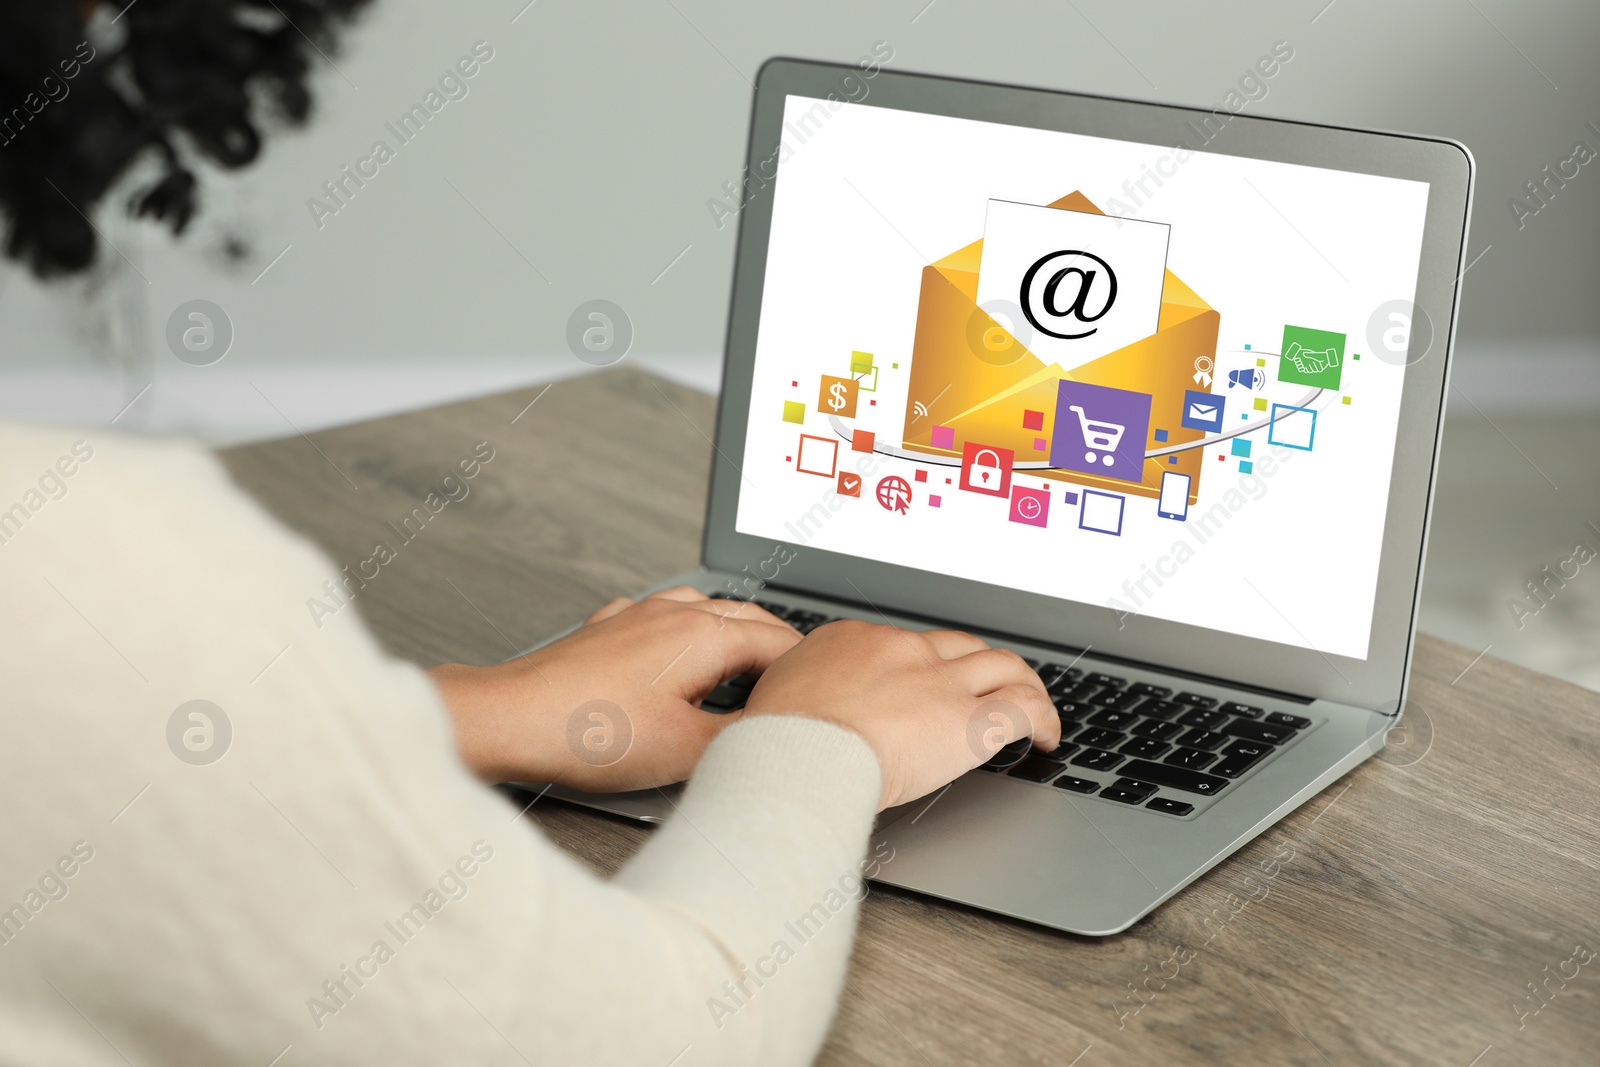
pixel 248 838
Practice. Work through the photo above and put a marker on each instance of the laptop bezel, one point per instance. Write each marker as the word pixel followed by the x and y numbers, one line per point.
pixel 1377 682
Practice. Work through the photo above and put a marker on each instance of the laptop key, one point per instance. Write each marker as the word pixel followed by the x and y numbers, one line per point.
pixel 1036 769
pixel 1144 748
pixel 1258 731
pixel 1100 737
pixel 724 698
pixel 1123 796
pixel 1123 701
pixel 1108 679
pixel 1161 709
pixel 1076 785
pixel 1283 718
pixel 1244 711
pixel 1192 758
pixel 1132 786
pixel 1116 720
pixel 1240 757
pixel 1097 759
pixel 1202 717
pixel 1146 689
pixel 1174 777
pixel 1157 729
pixel 1059 754
pixel 1196 700
pixel 1008 756
pixel 1205 739
pixel 1170 807
pixel 1072 714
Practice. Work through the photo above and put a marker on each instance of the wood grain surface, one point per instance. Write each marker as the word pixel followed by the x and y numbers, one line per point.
pixel 1425 909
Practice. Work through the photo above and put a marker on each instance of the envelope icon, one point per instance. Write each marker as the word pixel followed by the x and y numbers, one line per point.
pixel 1203 412
pixel 970 375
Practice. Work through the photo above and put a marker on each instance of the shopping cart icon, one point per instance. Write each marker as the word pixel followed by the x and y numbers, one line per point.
pixel 1099 436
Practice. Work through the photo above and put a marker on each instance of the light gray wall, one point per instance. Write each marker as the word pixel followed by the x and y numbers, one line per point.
pixel 589 146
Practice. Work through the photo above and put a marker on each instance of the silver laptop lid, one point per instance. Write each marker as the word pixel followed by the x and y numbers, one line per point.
pixel 1159 382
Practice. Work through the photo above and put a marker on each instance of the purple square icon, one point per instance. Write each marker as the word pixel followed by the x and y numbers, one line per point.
pixel 943 437
pixel 1100 430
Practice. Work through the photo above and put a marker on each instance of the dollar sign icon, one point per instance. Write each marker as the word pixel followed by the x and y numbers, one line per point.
pixel 838 395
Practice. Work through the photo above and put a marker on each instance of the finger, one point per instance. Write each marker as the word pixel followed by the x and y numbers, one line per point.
pixel 750 647
pixel 740 609
pixel 686 593
pixel 608 609
pixel 989 669
pixel 953 643
pixel 1043 723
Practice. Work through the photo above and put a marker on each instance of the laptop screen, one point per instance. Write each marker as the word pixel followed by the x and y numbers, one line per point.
pixel 1136 376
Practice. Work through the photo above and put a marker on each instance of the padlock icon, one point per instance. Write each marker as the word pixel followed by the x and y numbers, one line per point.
pixel 982 470
pixel 986 468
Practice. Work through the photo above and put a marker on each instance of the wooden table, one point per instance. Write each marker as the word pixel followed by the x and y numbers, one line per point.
pixel 1407 915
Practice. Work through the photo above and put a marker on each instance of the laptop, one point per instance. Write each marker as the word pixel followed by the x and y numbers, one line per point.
pixel 1151 395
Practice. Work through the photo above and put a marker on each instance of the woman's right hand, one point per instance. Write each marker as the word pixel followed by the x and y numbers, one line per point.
pixel 931 704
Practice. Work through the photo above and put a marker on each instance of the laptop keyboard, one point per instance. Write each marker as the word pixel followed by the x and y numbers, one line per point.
pixel 1127 742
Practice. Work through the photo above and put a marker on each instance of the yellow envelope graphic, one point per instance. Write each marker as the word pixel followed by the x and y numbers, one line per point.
pixel 971 375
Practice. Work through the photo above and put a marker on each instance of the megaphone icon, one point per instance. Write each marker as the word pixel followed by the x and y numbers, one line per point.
pixel 1250 378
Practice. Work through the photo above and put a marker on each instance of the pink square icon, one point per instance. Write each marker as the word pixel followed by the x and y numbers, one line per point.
pixel 1033 420
pixel 1030 507
pixel 942 437
pixel 935 501
pixel 1040 444
pixel 921 476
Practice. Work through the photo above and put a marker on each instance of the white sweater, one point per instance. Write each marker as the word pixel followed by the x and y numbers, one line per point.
pixel 337 888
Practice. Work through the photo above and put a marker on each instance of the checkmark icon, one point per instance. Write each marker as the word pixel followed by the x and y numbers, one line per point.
pixel 849 484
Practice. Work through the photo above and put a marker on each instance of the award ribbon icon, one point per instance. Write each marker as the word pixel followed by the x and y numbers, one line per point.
pixel 1202 371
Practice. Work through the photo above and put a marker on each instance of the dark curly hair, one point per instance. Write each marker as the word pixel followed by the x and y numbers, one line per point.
pixel 88 89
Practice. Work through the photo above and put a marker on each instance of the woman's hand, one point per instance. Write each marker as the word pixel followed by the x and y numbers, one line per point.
pixel 613 705
pixel 932 705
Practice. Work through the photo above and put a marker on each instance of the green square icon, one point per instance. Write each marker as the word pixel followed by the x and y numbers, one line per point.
pixel 1311 357
pixel 862 369
pixel 1261 403
pixel 794 411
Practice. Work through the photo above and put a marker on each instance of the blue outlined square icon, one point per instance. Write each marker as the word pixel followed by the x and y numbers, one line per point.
pixel 1292 427
pixel 1101 512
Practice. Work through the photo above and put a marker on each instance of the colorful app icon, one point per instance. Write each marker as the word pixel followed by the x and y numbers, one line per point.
pixel 986 469
pixel 1311 357
pixel 838 396
pixel 1202 411
pixel 818 455
pixel 894 493
pixel 849 483
pixel 1100 430
pixel 1101 512
pixel 1030 506
pixel 1292 427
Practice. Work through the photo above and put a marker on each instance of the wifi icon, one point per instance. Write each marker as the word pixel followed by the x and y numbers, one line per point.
pixel 920 409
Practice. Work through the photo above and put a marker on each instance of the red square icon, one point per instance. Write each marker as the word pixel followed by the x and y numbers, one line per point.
pixel 986 469
pixel 1033 420
pixel 849 484
pixel 862 441
pixel 921 476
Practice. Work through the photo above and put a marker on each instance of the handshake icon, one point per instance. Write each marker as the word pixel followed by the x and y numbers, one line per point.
pixel 1308 362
